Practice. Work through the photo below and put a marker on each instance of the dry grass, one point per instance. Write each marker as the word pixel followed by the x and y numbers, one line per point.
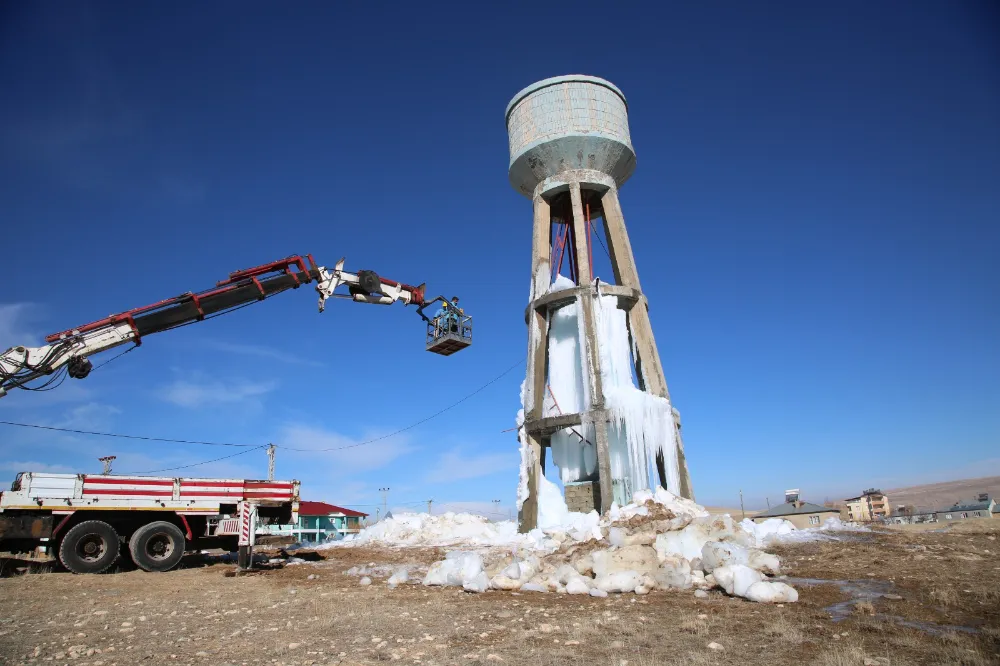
pixel 945 596
pixel 849 655
pixel 696 627
pixel 783 630
pixel 864 608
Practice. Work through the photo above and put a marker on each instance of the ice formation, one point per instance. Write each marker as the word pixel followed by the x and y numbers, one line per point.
pixel 642 424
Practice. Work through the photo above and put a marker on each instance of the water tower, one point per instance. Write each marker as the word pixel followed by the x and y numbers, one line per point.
pixel 570 152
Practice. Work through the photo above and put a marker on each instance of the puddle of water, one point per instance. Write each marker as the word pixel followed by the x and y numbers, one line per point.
pixel 867 590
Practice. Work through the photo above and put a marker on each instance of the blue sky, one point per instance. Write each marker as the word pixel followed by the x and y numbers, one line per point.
pixel 814 216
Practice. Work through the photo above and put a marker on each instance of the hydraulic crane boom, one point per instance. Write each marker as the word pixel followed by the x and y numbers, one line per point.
pixel 72 348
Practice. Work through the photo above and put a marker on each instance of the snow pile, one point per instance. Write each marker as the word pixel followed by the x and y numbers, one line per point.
pixel 772 529
pixel 421 529
pixel 776 529
pixel 658 541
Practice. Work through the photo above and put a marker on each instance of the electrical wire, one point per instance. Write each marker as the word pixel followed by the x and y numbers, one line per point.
pixel 598 237
pixel 197 464
pixel 258 446
pixel 116 356
pixel 413 425
pixel 76 431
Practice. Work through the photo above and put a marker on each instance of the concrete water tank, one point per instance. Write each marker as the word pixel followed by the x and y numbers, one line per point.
pixel 564 123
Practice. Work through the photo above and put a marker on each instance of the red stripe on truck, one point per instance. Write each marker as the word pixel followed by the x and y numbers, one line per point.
pixel 130 493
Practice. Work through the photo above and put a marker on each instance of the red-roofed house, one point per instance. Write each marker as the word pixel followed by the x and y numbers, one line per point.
pixel 319 521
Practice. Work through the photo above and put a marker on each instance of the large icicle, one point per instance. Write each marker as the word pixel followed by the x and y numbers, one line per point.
pixel 572 449
pixel 642 423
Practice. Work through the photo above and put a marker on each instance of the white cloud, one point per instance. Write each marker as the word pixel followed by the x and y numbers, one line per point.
pixel 347 460
pixel 31 466
pixel 203 393
pixel 453 466
pixel 89 416
pixel 259 351
pixel 16 325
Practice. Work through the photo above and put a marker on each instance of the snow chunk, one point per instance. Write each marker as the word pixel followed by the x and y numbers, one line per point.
pixel 765 562
pixel 767 592
pixel 736 579
pixel 401 575
pixel 627 558
pixel 479 583
pixel 716 554
pixel 458 569
pixel 620 581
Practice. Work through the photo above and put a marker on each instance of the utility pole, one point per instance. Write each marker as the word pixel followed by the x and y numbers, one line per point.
pixel 270 462
pixel 429 503
pixel 496 509
pixel 768 500
pixel 385 499
pixel 107 460
pixel 741 505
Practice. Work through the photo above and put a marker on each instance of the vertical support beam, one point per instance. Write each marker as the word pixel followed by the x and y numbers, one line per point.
pixel 648 366
pixel 538 327
pixel 623 262
pixel 527 517
pixel 619 247
pixel 541 271
pixel 604 478
pixel 580 239
pixel 538 331
pixel 592 358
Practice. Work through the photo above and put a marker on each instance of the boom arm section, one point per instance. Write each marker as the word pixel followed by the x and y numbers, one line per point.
pixel 72 348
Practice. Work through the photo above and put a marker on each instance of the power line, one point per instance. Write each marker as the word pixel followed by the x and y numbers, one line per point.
pixel 122 436
pixel 197 464
pixel 253 447
pixel 115 357
pixel 414 425
pixel 257 446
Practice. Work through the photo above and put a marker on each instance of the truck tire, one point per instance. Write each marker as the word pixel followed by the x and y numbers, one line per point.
pixel 90 547
pixel 157 546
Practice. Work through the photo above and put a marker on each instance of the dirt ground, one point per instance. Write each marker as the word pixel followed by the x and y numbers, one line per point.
pixel 944 608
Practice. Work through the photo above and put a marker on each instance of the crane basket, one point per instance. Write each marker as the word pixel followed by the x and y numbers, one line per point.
pixel 445 336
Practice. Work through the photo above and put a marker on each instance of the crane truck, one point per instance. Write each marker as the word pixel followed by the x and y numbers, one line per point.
pixel 88 520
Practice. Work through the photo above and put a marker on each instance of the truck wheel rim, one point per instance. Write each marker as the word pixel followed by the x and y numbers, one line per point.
pixel 160 546
pixel 91 548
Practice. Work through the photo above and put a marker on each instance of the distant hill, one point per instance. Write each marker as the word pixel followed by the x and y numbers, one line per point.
pixel 941 495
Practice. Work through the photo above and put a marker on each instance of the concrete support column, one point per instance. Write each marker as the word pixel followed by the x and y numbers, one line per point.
pixel 591 356
pixel 527 517
pixel 538 325
pixel 649 370
pixel 538 331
